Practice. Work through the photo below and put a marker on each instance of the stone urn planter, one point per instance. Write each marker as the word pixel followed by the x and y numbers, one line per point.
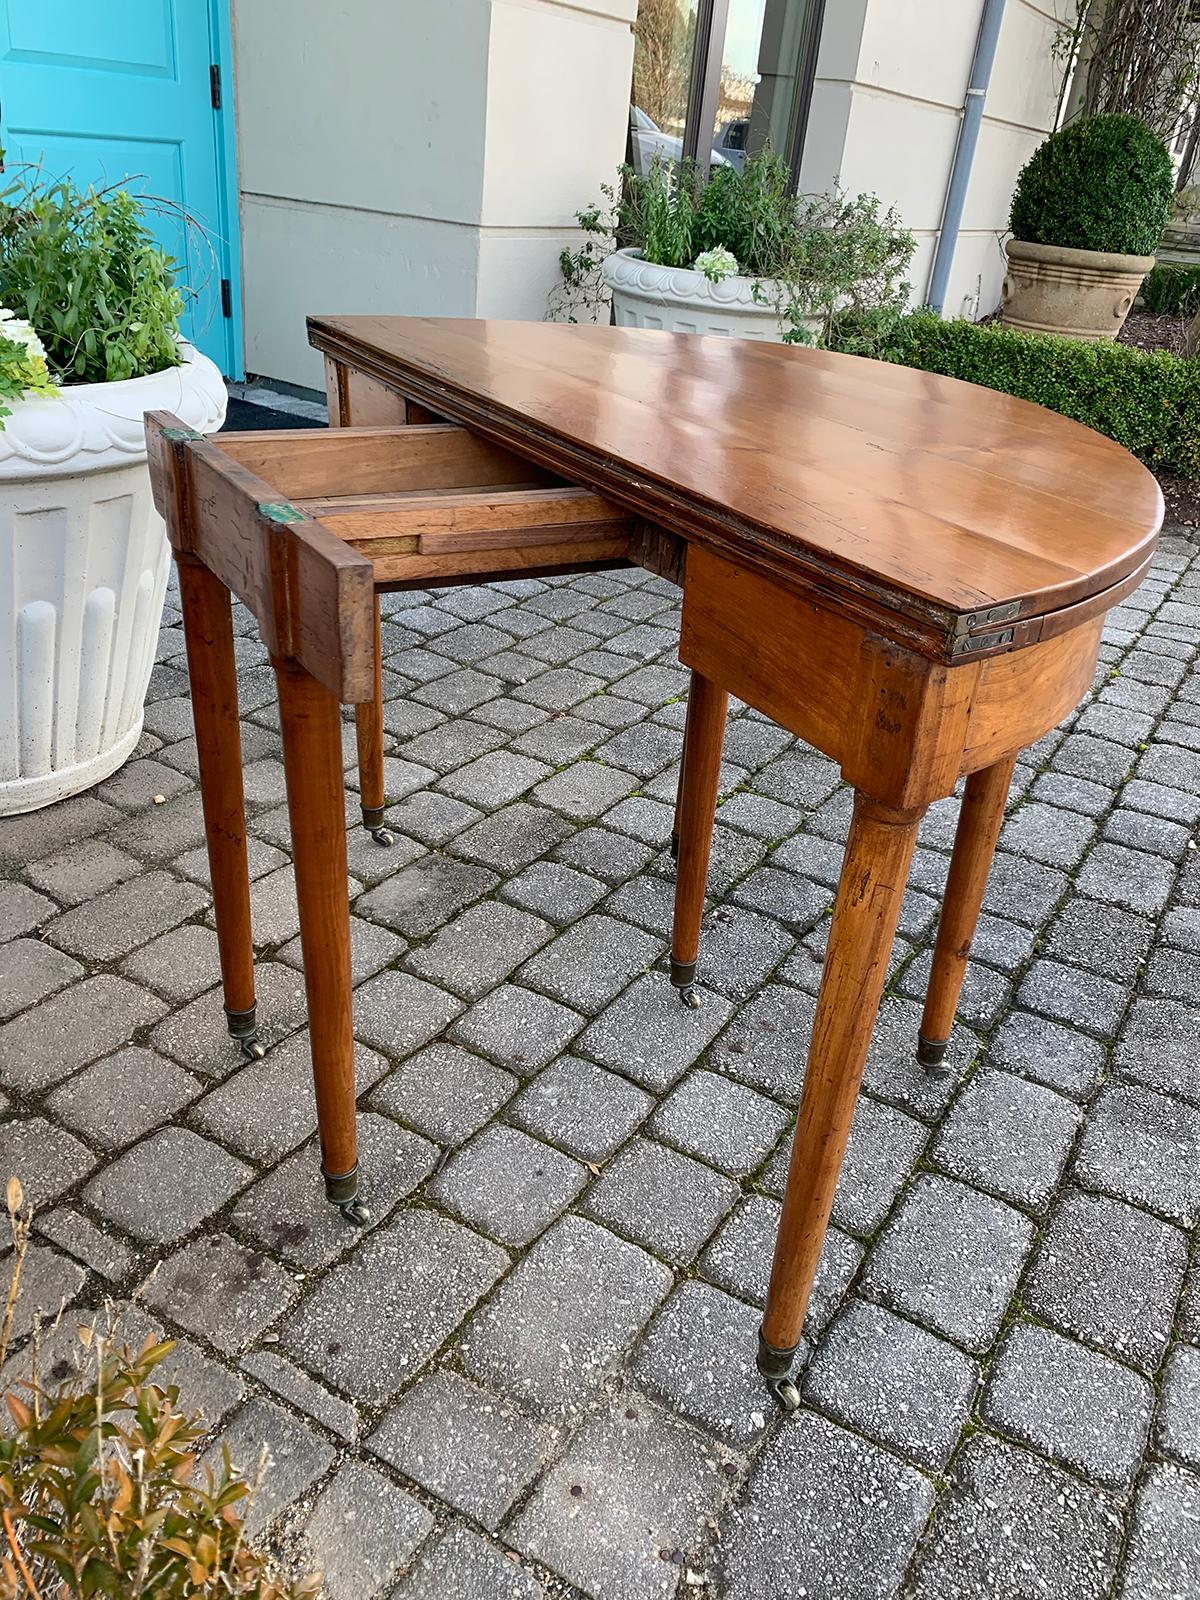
pixel 83 568
pixel 1085 294
pixel 678 300
pixel 1180 243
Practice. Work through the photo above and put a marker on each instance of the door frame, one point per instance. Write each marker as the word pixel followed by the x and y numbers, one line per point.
pixel 229 246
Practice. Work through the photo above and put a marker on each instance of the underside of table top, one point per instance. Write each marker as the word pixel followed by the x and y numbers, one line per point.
pixel 961 514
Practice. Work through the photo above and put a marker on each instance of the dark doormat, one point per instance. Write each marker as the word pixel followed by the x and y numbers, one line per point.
pixel 242 417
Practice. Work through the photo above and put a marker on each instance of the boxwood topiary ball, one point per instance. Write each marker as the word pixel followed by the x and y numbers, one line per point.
pixel 1101 184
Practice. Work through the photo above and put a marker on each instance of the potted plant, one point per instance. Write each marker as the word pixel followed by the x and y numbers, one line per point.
pixel 1087 215
pixel 90 343
pixel 736 254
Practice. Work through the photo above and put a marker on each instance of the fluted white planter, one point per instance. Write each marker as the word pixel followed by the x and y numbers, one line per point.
pixel 679 300
pixel 83 569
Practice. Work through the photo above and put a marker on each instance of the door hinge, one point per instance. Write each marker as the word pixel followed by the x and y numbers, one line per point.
pixel 226 298
pixel 214 83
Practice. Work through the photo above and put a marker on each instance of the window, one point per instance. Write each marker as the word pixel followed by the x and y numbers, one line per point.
pixel 716 80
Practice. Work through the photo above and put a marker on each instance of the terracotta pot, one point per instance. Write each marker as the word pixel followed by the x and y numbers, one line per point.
pixel 1085 294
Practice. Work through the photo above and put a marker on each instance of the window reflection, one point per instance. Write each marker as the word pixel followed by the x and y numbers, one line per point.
pixel 748 79
pixel 664 42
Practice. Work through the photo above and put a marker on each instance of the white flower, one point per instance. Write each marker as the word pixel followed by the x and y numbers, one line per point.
pixel 20 332
pixel 716 264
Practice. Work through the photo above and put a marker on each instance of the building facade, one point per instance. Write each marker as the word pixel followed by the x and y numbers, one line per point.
pixel 408 157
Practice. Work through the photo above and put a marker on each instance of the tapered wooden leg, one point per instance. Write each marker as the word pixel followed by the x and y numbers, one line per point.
pixel 368 723
pixel 979 825
pixel 312 758
pixel 212 670
pixel 874 870
pixel 703 739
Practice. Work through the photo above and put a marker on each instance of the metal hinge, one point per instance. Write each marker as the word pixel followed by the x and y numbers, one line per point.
pixel 226 298
pixel 214 83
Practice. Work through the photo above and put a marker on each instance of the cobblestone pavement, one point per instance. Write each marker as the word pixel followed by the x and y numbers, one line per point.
pixel 533 1374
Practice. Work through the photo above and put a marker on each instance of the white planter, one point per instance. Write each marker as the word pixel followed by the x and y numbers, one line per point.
pixel 679 300
pixel 83 569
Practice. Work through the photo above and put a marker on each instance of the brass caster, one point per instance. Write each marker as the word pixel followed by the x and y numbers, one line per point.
pixel 354 1211
pixel 383 836
pixel 690 998
pixel 683 976
pixel 785 1392
pixel 776 1368
pixel 243 1029
pixel 931 1054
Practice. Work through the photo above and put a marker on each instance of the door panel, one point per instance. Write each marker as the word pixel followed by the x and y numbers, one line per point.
pixel 118 91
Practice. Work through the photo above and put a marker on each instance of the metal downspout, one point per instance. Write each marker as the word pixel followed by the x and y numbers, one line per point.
pixel 964 151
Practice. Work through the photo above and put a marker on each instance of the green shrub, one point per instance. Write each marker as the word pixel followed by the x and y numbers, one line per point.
pixel 1101 184
pixel 82 268
pixel 1172 291
pixel 1147 400
pixel 100 1490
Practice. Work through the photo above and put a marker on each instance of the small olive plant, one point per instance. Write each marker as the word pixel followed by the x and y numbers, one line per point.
pixel 832 266
pixel 88 296
pixel 100 1492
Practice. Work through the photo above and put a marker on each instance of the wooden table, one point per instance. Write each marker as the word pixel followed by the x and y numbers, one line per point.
pixel 909 573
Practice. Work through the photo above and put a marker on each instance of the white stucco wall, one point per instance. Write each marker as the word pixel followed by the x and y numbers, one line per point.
pixel 886 110
pixel 416 158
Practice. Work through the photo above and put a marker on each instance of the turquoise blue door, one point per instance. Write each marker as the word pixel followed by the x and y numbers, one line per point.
pixel 130 91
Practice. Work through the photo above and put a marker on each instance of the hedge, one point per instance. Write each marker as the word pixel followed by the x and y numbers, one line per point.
pixel 1147 400
pixel 1172 289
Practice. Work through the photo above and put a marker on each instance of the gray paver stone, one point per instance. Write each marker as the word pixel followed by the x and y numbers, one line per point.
pixel 508 1185
pixel 372 1321
pixel 581 1107
pixel 1144 1147
pixel 1070 1403
pixel 739 1260
pixel 445 1092
pixel 1162 1561
pixel 663 1199
pixel 950 1258
pixel 726 1124
pixel 45 1043
pixel 1012 1527
pixel 591 962
pixel 33 970
pixel 1178 1429
pixel 469 1567
pixel 546 1336
pixel 828 1514
pixel 649 1035
pixel 517 1028
pixel 1109 1274
pixel 1161 1047
pixel 117 1100
pixel 297 1457
pixel 217 1288
pixel 1008 1136
pixel 633 1488
pixel 288 1213
pixel 893 1381
pixel 1056 1056
pixel 362 1530
pixel 470 1448
pixel 164 1187
pixel 286 1380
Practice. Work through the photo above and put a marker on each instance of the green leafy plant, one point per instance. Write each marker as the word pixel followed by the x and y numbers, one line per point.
pixel 832 266
pixel 1147 400
pixel 23 367
pixel 100 1492
pixel 1171 290
pixel 1102 184
pixel 81 266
